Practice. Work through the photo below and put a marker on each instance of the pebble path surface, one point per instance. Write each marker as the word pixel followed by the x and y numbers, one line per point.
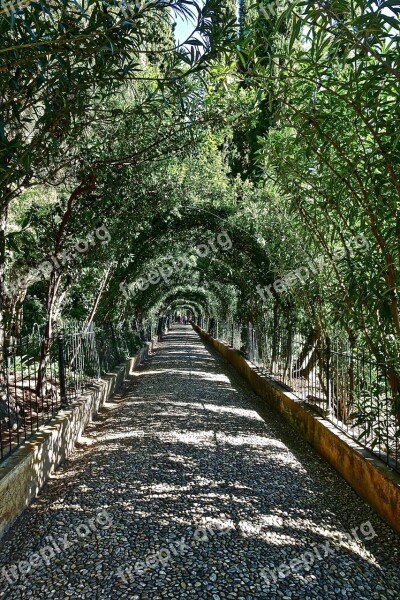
pixel 188 486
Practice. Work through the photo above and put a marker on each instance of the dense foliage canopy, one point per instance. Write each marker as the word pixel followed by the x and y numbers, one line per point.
pixel 123 154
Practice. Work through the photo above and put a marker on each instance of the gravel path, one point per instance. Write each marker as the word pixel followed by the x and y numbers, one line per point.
pixel 186 486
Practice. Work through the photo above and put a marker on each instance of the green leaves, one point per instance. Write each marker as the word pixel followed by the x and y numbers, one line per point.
pixel 333 152
pixel 58 60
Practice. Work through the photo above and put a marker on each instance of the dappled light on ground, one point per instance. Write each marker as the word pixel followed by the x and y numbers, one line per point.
pixel 186 457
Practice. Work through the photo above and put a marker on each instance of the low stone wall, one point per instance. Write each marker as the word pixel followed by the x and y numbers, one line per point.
pixel 369 477
pixel 25 472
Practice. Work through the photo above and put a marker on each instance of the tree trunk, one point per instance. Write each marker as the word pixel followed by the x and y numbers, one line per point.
pixel 275 338
pixel 306 359
pixel 287 374
pixel 51 296
pixel 394 382
pixel 3 299
pixel 103 285
pixel 92 313
pixel 54 283
pixel 7 404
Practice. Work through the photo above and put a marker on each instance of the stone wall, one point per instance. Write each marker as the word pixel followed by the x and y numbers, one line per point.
pixel 369 477
pixel 25 472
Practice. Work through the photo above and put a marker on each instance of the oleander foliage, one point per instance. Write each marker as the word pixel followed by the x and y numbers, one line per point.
pixel 281 129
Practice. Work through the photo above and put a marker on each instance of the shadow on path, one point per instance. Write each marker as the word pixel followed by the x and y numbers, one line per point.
pixel 186 445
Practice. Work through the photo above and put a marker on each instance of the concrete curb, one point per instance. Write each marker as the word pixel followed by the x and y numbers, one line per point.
pixel 371 478
pixel 25 472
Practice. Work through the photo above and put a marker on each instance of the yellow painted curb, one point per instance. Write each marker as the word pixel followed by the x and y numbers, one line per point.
pixel 370 477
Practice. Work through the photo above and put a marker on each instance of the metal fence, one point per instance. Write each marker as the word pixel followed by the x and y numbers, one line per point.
pixel 34 387
pixel 345 385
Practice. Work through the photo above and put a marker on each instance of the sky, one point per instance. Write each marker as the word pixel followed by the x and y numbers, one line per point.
pixel 183 29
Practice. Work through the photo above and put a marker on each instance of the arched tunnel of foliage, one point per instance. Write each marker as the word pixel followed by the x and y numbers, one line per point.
pixel 142 177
